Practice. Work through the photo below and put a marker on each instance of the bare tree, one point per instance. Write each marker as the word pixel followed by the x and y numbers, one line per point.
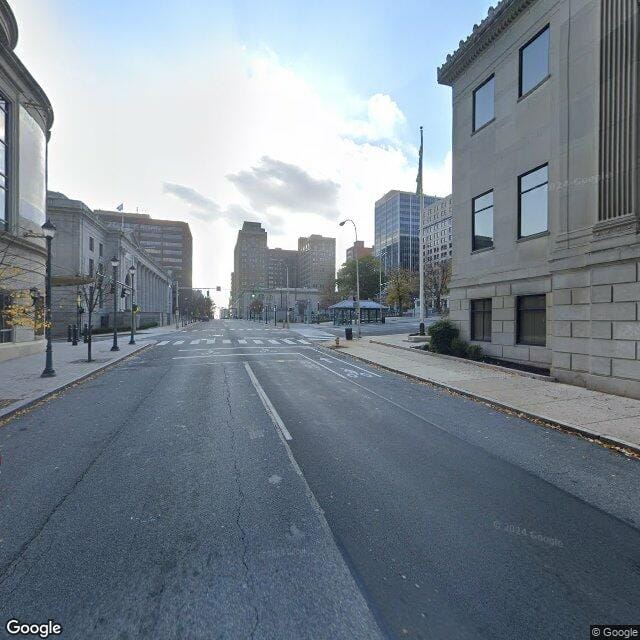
pixel 437 276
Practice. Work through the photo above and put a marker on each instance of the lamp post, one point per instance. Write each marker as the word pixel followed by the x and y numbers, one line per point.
pixel 384 251
pixel 132 272
pixel 114 263
pixel 355 229
pixel 49 231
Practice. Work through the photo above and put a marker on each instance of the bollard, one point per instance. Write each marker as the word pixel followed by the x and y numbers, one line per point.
pixel 422 328
pixel 74 334
pixel 68 333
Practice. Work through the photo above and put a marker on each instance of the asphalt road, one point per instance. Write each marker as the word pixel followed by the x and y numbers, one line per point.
pixel 160 500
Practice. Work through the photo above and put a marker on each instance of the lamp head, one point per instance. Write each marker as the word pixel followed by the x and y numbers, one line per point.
pixel 132 270
pixel 342 223
pixel 115 262
pixel 48 229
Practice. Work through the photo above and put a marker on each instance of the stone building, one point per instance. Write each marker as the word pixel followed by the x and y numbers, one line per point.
pixel 168 242
pixel 545 188
pixel 82 248
pixel 317 262
pixel 26 118
pixel 249 260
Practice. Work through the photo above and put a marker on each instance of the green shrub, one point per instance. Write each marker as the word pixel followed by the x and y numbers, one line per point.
pixel 459 348
pixel 474 352
pixel 442 334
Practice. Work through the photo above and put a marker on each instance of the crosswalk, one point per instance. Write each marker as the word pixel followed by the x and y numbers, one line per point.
pixel 240 342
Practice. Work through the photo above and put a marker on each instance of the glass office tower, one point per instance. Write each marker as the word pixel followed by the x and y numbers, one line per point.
pixel 397 229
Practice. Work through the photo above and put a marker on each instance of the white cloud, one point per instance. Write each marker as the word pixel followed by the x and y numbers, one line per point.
pixel 215 137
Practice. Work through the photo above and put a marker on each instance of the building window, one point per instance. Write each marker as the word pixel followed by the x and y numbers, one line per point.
pixel 91 266
pixel 534 61
pixel 91 244
pixel 481 320
pixel 3 163
pixel 483 221
pixel 100 249
pixel 532 320
pixel 533 202
pixel 483 104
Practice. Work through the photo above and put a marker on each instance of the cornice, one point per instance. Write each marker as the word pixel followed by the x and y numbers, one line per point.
pixel 8 26
pixel 499 18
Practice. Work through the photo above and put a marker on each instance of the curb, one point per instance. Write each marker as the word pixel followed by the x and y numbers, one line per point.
pixel 485 365
pixel 603 438
pixel 22 405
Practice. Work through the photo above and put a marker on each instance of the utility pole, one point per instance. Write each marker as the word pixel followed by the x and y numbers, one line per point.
pixel 421 232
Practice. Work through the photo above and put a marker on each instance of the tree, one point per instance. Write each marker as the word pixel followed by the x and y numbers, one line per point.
pixel 436 282
pixel 369 268
pixel 401 284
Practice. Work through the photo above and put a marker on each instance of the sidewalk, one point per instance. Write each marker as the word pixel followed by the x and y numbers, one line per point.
pixel 611 419
pixel 20 381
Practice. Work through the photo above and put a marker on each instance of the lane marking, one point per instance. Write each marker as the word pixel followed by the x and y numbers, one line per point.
pixel 270 409
pixel 226 355
pixel 162 343
pixel 178 342
pixel 195 342
pixel 345 362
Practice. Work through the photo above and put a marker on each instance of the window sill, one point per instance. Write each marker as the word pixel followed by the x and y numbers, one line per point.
pixel 542 234
pixel 474 251
pixel 483 127
pixel 530 344
pixel 533 89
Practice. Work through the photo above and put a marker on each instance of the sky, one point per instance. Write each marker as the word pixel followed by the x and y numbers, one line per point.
pixel 293 114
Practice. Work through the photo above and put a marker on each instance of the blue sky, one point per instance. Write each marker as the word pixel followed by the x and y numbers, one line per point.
pixel 204 111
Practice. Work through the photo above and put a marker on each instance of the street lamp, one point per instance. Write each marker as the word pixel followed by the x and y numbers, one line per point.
pixel 132 271
pixel 355 229
pixel 383 251
pixel 49 231
pixel 114 263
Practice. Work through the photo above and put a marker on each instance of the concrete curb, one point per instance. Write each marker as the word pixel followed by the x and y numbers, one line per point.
pixel 485 365
pixel 585 432
pixel 21 405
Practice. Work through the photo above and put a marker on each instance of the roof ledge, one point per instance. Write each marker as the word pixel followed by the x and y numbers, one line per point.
pixel 8 26
pixel 498 19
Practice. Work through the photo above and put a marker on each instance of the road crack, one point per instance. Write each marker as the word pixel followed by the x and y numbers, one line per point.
pixel 241 502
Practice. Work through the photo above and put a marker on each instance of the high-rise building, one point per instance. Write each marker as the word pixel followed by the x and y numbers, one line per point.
pixel 168 242
pixel 317 261
pixel 437 220
pixel 546 211
pixel 249 260
pixel 358 250
pixel 397 229
pixel 282 268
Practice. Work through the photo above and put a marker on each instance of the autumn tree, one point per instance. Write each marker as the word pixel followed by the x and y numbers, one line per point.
pixel 401 286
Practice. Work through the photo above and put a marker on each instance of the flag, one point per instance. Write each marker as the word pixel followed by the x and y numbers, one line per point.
pixel 120 207
pixel 419 177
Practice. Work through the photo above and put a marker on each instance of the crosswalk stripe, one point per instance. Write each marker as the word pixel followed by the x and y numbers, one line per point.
pixel 287 341
pixel 242 342
pixel 303 342
pixel 179 342
pixel 226 341
pixel 273 341
pixel 257 341
pixel 195 342
pixel 162 343
pixel 211 341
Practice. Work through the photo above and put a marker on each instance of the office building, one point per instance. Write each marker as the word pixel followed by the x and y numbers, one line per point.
pixel 282 268
pixel 438 218
pixel 317 262
pixel 26 117
pixel 249 260
pixel 397 229
pixel 358 249
pixel 545 188
pixel 167 242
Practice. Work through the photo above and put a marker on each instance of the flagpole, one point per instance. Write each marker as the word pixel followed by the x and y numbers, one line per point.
pixel 421 232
